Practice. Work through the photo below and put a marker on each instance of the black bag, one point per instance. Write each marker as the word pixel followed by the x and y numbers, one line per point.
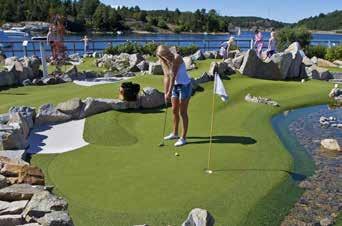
pixel 129 91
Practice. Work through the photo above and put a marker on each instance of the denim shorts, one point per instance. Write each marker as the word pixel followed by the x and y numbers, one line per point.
pixel 182 92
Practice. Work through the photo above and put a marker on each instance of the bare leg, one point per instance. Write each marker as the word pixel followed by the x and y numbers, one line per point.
pixel 183 110
pixel 175 112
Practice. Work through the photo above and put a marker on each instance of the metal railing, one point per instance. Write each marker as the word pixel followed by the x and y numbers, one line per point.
pixel 15 48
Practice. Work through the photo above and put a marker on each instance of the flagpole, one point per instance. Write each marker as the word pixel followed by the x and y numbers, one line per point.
pixel 211 128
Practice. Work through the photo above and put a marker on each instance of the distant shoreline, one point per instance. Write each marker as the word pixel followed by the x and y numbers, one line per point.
pixel 138 32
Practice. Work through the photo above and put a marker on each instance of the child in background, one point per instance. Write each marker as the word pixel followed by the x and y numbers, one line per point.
pixel 271 44
pixel 258 43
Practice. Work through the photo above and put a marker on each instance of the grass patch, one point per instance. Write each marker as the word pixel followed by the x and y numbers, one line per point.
pixel 89 64
pixel 124 178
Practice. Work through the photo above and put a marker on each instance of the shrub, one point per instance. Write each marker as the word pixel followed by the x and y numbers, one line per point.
pixel 128 47
pixel 149 28
pixel 334 53
pixel 162 24
pixel 288 35
pixel 149 48
pixel 317 51
pixel 187 50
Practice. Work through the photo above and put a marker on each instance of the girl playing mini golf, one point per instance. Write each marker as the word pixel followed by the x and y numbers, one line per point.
pixel 177 87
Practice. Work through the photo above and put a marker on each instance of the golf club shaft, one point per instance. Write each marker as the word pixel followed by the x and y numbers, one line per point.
pixel 165 117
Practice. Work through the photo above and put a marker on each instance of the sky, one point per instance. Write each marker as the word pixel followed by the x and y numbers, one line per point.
pixel 282 10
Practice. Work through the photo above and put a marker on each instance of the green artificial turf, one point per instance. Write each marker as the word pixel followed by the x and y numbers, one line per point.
pixel 124 178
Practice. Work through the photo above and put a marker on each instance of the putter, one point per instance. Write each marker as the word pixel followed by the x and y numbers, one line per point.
pixel 165 116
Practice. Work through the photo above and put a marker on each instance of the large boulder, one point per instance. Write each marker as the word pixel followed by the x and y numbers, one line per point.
pixel 12 138
pixel 18 192
pixel 254 67
pixel 28 113
pixel 16 120
pixel 11 220
pixel 205 77
pixel 42 203
pixel 3 182
pixel 22 173
pixel 4 118
pixel 48 114
pixel 151 98
pixel 155 69
pixel 318 73
pixel 237 61
pixel 212 54
pixel 71 107
pixel 56 218
pixel 222 68
pixel 307 61
pixel 94 106
pixel 7 78
pixel 338 63
pixel 325 63
pixel 189 64
pixel 198 56
pixel 199 217
pixel 135 59
pixel 281 66
pixel 143 65
pixel 15 207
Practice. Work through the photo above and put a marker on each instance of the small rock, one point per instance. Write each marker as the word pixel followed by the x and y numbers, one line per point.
pixel 199 217
pixel 56 218
pixel 330 145
pixel 18 192
pixel 11 220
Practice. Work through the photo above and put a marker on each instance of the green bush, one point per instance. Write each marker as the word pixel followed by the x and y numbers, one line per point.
pixel 149 48
pixel 149 28
pixel 187 50
pixel 334 53
pixel 162 24
pixel 288 35
pixel 317 51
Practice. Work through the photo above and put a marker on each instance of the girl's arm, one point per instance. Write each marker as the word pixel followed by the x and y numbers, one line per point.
pixel 173 75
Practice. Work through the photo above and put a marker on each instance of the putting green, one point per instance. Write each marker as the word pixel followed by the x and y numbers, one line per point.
pixel 124 178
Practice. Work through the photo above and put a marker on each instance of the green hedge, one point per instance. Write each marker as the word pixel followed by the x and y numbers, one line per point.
pixel 149 48
pixel 334 53
pixel 317 51
pixel 288 35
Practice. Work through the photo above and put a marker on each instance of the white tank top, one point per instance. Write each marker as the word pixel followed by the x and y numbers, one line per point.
pixel 182 77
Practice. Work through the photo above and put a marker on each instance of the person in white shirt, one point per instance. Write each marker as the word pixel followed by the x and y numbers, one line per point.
pixel 177 86
pixel 271 45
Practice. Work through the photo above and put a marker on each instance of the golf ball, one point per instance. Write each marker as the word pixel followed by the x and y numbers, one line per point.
pixel 176 154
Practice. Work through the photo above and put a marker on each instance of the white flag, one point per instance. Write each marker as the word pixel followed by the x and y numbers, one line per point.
pixel 219 88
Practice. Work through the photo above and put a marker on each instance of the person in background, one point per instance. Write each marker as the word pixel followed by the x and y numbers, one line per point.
pixel 258 42
pixel 177 85
pixel 51 38
pixel 86 42
pixel 225 46
pixel 271 44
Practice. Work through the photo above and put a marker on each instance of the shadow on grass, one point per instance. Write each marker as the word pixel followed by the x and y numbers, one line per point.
pixel 295 176
pixel 222 140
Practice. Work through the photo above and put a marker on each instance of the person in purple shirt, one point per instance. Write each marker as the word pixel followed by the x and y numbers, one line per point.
pixel 258 42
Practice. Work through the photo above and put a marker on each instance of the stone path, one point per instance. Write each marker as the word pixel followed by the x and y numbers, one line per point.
pixel 60 138
pixel 321 202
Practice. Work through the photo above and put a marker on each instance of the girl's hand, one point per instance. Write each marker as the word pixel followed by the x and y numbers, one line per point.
pixel 167 96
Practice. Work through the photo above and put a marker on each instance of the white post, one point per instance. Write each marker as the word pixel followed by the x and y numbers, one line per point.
pixel 42 54
pixel 329 44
